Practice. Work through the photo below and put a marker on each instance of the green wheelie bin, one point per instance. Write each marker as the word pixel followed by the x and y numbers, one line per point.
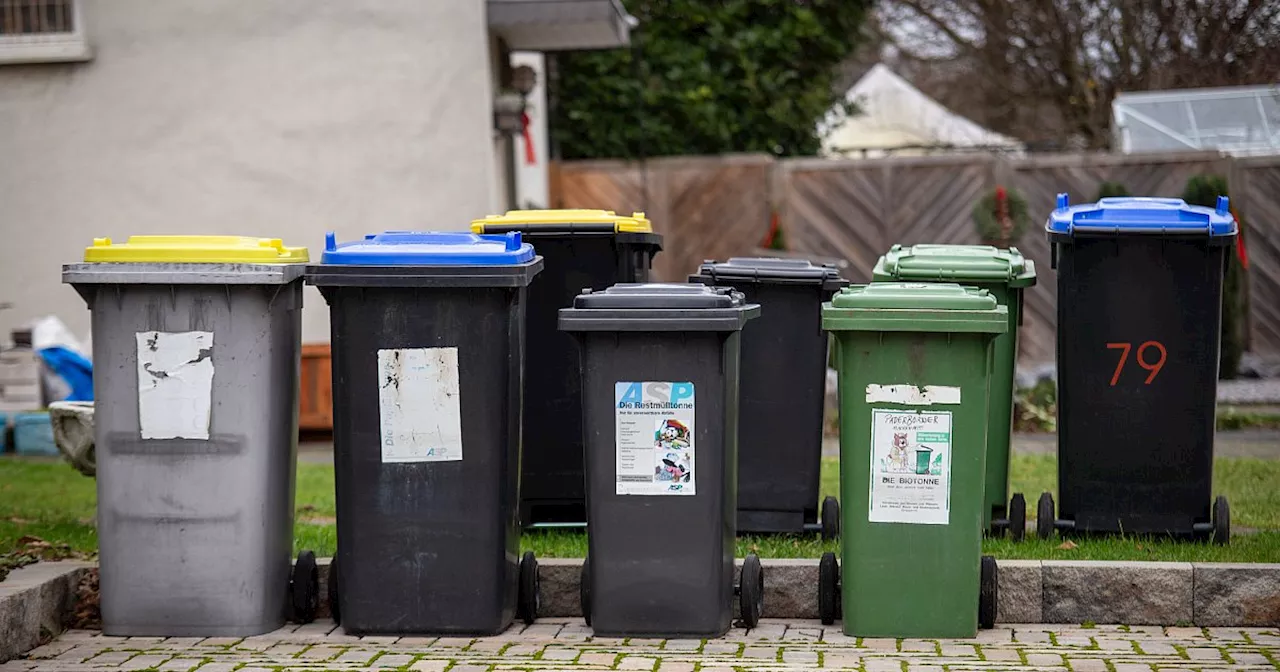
pixel 914 368
pixel 1005 273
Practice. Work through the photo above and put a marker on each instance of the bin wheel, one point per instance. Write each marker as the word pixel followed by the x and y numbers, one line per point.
pixel 828 588
pixel 1017 517
pixel 528 600
pixel 988 593
pixel 334 613
pixel 751 591
pixel 830 518
pixel 1045 516
pixel 304 589
pixel 1221 521
pixel 584 590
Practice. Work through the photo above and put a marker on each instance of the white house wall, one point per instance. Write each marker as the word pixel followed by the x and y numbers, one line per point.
pixel 284 118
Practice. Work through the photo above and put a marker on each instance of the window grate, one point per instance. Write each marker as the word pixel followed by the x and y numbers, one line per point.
pixel 42 31
pixel 37 17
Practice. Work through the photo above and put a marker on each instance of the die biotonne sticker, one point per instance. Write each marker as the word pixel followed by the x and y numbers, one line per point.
pixel 654 438
pixel 910 467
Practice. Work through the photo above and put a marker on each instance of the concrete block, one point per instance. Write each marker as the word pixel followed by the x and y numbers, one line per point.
pixel 1021 591
pixel 1137 593
pixel 560 580
pixel 35 602
pixel 1237 594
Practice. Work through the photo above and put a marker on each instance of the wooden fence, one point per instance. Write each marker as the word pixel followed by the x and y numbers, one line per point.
pixel 1255 192
pixel 715 207
pixel 705 207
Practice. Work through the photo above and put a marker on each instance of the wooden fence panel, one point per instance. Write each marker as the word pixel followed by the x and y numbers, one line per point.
pixel 705 207
pixel 856 209
pixel 1255 196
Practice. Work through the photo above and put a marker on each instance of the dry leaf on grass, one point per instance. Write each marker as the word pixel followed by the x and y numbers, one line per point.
pixel 1067 545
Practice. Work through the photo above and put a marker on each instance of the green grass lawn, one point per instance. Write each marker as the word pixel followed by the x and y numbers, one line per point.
pixel 50 500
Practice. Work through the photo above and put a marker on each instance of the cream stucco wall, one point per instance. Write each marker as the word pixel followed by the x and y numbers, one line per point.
pixel 280 118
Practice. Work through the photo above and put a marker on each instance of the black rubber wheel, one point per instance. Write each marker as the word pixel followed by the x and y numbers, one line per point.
pixel 828 588
pixel 528 600
pixel 304 589
pixel 1017 517
pixel 830 518
pixel 751 591
pixel 334 612
pixel 988 593
pixel 1221 521
pixel 584 590
pixel 1045 516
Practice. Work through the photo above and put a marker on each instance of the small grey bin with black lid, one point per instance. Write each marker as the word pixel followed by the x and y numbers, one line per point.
pixel 783 392
pixel 660 419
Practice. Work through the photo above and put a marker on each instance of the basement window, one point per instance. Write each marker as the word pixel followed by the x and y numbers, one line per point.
pixel 42 31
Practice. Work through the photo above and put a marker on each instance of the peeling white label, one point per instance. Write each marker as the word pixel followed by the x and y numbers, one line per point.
pixel 910 395
pixel 421 417
pixel 175 384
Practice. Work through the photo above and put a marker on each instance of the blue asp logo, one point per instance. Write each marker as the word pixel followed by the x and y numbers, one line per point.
pixel 641 395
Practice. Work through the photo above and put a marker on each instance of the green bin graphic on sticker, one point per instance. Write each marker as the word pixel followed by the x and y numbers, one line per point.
pixel 923 454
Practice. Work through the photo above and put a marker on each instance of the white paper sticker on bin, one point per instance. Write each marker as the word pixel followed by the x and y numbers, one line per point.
pixel 910 395
pixel 419 410
pixel 175 384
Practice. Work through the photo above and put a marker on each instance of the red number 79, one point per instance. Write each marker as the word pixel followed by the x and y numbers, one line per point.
pixel 1124 349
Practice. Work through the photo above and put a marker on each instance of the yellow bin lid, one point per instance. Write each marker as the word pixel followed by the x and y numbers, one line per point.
pixel 195 250
pixel 526 219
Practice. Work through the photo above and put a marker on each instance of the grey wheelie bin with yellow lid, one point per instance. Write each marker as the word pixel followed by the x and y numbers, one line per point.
pixel 660 415
pixel 783 392
pixel 196 351
pixel 582 249
pixel 1139 330
pixel 1006 274
pixel 428 355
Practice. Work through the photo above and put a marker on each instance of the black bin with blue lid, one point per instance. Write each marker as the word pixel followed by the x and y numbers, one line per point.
pixel 783 392
pixel 427 339
pixel 660 418
pixel 1139 322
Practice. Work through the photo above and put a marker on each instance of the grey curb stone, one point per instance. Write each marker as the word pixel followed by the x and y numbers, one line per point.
pixel 1237 594
pixel 1021 598
pixel 559 580
pixel 37 598
pixel 41 597
pixel 1136 593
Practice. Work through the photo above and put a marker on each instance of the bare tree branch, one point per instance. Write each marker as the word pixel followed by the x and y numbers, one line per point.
pixel 1047 70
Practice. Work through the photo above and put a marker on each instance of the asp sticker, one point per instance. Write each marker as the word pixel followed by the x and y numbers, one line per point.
pixel 655 438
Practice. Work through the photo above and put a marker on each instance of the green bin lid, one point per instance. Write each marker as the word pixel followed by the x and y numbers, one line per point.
pixel 955 263
pixel 915 306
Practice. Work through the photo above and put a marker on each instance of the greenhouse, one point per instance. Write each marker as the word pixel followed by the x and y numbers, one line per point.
pixel 1240 121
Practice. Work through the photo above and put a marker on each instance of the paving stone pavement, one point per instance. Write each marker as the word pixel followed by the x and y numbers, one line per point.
pixel 775 646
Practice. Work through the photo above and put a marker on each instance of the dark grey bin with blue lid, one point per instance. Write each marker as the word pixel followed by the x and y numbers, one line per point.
pixel 660 417
pixel 428 360
pixel 1139 320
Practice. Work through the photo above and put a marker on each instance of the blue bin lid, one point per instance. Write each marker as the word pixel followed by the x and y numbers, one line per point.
pixel 1141 215
pixel 428 248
